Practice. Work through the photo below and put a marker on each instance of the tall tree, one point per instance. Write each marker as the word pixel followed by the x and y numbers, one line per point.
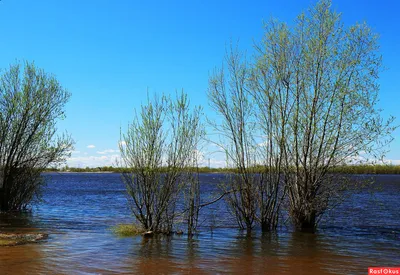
pixel 31 102
pixel 253 192
pixel 323 79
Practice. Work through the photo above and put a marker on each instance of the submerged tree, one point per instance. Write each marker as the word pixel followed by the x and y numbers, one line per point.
pixel 253 192
pixel 159 147
pixel 31 102
pixel 322 78
pixel 192 195
pixel 228 96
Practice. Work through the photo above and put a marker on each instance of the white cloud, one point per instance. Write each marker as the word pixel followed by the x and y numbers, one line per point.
pixel 94 161
pixel 91 146
pixel 216 163
pixel 107 151
pixel 206 161
pixel 372 161
pixel 263 144
pixel 392 161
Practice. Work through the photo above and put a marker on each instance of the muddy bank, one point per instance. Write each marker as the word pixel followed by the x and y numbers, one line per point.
pixel 11 239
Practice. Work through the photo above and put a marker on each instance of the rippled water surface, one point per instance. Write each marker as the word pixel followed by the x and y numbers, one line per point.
pixel 79 209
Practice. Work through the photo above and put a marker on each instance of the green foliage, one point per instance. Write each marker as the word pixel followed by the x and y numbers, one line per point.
pixel 127 230
pixel 368 169
pixel 31 102
pixel 322 81
pixel 252 191
pixel 159 147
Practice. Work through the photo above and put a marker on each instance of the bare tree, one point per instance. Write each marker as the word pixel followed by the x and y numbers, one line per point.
pixel 192 196
pixel 159 148
pixel 31 102
pixel 323 81
pixel 272 123
pixel 252 192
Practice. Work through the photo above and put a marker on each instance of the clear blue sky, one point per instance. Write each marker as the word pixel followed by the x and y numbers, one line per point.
pixel 109 53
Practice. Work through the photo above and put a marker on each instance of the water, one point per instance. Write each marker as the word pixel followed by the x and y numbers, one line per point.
pixel 79 209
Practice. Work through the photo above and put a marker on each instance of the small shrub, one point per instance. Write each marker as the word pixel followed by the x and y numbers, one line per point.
pixel 127 230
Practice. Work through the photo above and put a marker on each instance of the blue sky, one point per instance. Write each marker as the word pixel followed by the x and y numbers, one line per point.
pixel 108 54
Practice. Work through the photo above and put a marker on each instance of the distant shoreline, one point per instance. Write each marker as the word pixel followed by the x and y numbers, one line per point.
pixel 348 169
pixel 83 172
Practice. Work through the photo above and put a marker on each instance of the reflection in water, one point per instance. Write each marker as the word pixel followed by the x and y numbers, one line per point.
pixel 155 256
pixel 306 254
pixel 155 248
pixel 80 209
pixel 192 250
pixel 9 222
pixel 268 254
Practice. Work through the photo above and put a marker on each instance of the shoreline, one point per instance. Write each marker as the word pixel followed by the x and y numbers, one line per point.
pixel 380 169
pixel 81 172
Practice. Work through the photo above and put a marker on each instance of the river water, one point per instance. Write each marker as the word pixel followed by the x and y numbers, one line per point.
pixel 78 210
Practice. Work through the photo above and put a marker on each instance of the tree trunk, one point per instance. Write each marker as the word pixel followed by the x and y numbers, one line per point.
pixel 305 222
pixel 266 226
pixel 3 201
pixel 248 231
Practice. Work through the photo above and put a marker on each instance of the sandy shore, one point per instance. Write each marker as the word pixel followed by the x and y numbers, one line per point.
pixel 11 239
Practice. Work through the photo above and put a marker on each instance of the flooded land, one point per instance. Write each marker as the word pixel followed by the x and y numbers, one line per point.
pixel 79 209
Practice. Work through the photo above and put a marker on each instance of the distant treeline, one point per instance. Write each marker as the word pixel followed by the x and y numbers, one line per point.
pixel 348 169
pixel 368 169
